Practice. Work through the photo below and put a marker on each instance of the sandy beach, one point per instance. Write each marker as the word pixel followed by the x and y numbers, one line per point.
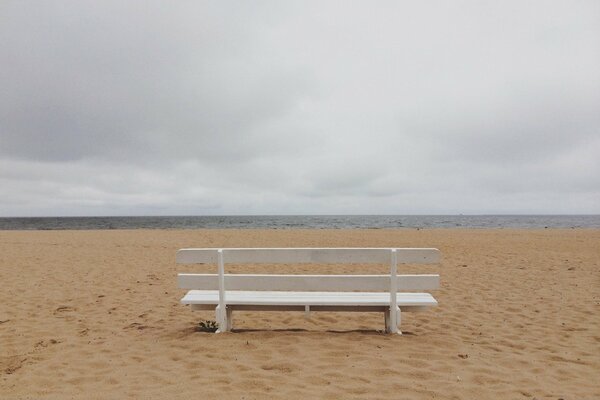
pixel 96 314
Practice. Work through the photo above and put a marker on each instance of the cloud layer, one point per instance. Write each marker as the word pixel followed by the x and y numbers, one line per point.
pixel 154 108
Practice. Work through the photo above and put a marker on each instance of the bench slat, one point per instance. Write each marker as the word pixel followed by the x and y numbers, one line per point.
pixel 308 255
pixel 307 282
pixel 308 298
pixel 273 307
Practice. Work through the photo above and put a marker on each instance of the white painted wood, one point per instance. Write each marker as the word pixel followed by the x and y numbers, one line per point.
pixel 393 290
pixel 386 318
pixel 311 256
pixel 308 255
pixel 197 256
pixel 308 292
pixel 238 297
pixel 219 317
pixel 229 318
pixel 339 308
pixel 320 283
pixel 417 256
pixel 398 320
pixel 222 302
pixel 389 326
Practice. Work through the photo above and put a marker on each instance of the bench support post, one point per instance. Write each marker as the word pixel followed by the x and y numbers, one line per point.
pixel 389 328
pixel 386 320
pixel 221 310
pixel 398 320
pixel 392 327
pixel 229 318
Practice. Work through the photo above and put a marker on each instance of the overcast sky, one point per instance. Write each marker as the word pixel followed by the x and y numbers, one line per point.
pixel 251 107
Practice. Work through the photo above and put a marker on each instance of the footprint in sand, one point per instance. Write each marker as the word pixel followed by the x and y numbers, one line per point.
pixel 64 312
pixel 278 367
pixel 136 325
pixel 14 364
pixel 64 309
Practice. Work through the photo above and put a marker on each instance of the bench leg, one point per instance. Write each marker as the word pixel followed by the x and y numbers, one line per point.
pixel 386 319
pixel 229 318
pixel 399 320
pixel 223 319
pixel 389 328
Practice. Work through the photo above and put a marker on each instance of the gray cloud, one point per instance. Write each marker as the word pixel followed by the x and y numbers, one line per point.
pixel 318 107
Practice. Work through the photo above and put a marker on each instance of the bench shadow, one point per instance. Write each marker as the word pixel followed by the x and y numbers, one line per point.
pixel 191 331
pixel 369 332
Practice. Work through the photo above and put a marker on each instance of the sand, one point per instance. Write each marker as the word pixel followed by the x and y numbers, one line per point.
pixel 95 314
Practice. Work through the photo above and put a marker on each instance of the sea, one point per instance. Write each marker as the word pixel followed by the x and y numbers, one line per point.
pixel 303 222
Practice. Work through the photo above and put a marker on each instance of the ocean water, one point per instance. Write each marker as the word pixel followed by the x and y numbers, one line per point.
pixel 304 222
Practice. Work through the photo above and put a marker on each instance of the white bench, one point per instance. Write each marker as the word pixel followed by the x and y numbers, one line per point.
pixel 377 293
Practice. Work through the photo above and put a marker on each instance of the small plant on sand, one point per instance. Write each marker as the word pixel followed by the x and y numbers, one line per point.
pixel 207 326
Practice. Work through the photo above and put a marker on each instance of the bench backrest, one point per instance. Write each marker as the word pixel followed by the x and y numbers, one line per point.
pixel 308 283
pixel 308 255
pixel 274 282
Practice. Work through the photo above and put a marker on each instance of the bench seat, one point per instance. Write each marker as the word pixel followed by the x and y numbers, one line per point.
pixel 270 298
